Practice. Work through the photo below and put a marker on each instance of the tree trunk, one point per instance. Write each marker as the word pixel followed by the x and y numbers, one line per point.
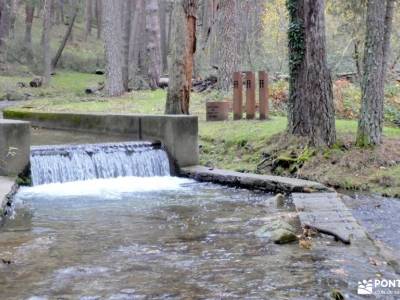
pixel 5 9
pixel 126 30
pixel 65 39
pixel 163 33
pixel 113 44
pixel 99 14
pixel 153 48
pixel 183 47
pixel 388 34
pixel 13 17
pixel 136 39
pixel 29 13
pixel 311 108
pixel 377 46
pixel 46 41
pixel 228 55
pixel 88 18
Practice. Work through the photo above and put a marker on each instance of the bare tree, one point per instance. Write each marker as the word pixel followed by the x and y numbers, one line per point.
pixel 46 41
pixel 153 48
pixel 29 13
pixel 65 39
pixel 311 108
pixel 137 41
pixel 88 18
pixel 5 9
pixel 112 28
pixel 126 32
pixel 99 15
pixel 377 48
pixel 183 47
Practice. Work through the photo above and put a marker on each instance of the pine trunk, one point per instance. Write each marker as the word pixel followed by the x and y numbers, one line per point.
pixel 126 30
pixel 46 41
pixel 183 47
pixel 29 13
pixel 228 56
pixel 372 99
pixel 88 18
pixel 113 43
pixel 5 9
pixel 153 44
pixel 311 108
pixel 99 15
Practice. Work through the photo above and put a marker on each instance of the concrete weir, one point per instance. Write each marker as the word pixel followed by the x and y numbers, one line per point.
pixel 14 146
pixel 178 133
pixel 266 183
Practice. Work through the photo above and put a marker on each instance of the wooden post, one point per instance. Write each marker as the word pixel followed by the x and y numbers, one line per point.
pixel 237 96
pixel 263 86
pixel 250 95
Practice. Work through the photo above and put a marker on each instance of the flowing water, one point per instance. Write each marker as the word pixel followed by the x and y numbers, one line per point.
pixel 89 233
pixel 66 163
pixel 162 238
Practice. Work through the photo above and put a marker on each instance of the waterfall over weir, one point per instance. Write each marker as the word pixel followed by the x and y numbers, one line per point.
pixel 66 163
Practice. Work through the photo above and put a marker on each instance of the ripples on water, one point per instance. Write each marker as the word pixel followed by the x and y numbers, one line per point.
pixel 161 238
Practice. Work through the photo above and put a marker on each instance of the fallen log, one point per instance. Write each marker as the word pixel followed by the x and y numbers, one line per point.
pixel 94 90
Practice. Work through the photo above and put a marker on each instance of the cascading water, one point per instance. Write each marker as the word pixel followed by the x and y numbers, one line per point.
pixel 66 163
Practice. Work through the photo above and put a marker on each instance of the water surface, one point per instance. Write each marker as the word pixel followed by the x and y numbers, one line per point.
pixel 163 238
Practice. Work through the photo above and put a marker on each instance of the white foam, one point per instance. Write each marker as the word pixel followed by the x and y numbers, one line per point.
pixel 103 188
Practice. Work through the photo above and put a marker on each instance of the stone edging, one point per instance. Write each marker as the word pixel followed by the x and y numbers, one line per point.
pixel 267 183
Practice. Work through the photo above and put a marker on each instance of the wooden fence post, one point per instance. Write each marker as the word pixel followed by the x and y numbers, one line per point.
pixel 263 89
pixel 237 96
pixel 250 95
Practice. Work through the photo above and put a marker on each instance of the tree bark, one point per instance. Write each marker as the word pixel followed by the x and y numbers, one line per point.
pixel 65 39
pixel 99 14
pixel 113 43
pixel 311 108
pixel 46 41
pixel 126 30
pixel 153 48
pixel 228 55
pixel 88 18
pixel 377 49
pixel 136 39
pixel 163 34
pixel 29 13
pixel 13 17
pixel 5 9
pixel 183 47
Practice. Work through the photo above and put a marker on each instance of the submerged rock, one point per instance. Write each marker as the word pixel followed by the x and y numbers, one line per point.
pixel 283 236
pixel 279 231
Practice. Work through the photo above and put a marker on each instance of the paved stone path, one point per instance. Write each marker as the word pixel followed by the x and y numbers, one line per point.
pixel 326 211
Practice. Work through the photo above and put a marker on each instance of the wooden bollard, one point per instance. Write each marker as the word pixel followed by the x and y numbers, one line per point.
pixel 237 96
pixel 263 86
pixel 250 95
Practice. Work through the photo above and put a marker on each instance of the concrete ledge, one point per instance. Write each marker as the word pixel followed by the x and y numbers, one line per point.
pixel 266 183
pixel 178 133
pixel 14 146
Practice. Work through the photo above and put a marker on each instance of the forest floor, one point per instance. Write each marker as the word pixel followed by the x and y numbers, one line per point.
pixel 246 146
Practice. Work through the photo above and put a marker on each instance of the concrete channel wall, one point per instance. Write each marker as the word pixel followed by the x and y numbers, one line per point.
pixel 14 146
pixel 178 133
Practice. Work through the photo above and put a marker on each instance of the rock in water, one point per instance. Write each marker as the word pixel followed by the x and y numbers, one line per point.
pixel 275 231
pixel 279 200
pixel 283 236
